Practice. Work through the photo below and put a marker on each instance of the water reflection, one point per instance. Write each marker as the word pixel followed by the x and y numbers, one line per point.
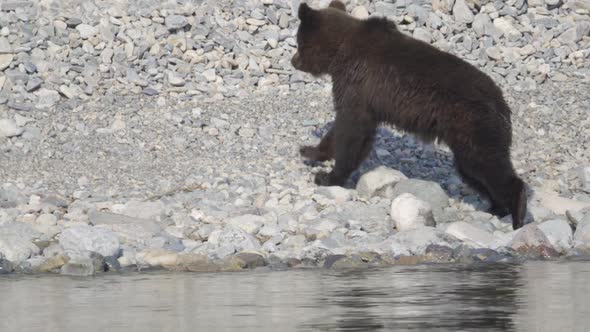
pixel 530 297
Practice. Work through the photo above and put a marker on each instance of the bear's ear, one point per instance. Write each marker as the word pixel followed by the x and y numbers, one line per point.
pixel 305 12
pixel 338 5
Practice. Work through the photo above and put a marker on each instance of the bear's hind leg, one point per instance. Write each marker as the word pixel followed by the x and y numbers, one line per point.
pixel 506 190
pixel 465 172
pixel 354 132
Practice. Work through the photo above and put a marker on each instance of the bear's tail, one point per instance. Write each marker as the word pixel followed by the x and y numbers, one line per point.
pixel 518 202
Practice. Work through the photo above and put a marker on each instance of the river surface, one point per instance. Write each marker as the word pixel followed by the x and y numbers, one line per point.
pixel 537 296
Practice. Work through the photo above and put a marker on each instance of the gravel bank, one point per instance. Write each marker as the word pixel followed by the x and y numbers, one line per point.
pixel 168 136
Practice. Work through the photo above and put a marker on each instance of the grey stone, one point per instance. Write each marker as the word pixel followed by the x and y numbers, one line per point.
pixel 582 234
pixel 79 267
pixel 415 241
pixel 86 31
pixel 469 233
pixel 34 84
pixel 47 98
pixel 5 47
pixel 5 266
pixel 73 22
pixel 5 61
pixel 14 5
pixel 230 240
pixel 249 223
pixel 387 9
pixel 531 241
pixel 151 210
pixel 8 128
pixel 584 176
pixel 78 240
pixel 579 5
pixel 379 182
pixel 423 34
pixel 507 28
pixel 248 260
pixel 30 67
pixel 428 191
pixel 131 230
pixel 482 24
pixel 462 12
pixel 175 22
pixel 559 233
pixel 369 218
pixel 15 248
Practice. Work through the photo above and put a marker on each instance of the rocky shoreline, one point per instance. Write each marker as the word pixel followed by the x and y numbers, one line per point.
pixel 166 135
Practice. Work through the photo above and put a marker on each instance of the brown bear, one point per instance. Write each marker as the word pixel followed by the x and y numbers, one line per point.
pixel 381 75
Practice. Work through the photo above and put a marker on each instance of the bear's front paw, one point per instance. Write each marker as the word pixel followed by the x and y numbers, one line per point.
pixel 309 152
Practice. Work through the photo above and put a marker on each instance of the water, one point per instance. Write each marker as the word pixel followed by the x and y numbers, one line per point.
pixel 538 296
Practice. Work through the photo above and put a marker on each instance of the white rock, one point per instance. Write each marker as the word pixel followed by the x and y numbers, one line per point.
pixel 86 31
pixel 81 239
pixel 558 204
pixel 501 239
pixel 471 234
pixel 143 210
pixel 255 22
pixel 230 240
pixel 5 47
pixel 15 248
pixel 249 223
pixel 415 241
pixel 409 212
pixel 210 74
pixel 118 124
pixel 462 12
pixel 559 234
pixel 423 35
pixel 8 128
pixel 360 12
pixel 47 98
pixel 5 60
pixel 584 175
pixel 336 193
pixel 157 257
pixel 379 182
pixel 22 121
pixel 582 234
pixel 504 25
pixel 69 91
pixel 47 219
pixel 175 80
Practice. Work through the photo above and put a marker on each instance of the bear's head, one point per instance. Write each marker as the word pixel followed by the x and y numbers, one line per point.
pixel 320 35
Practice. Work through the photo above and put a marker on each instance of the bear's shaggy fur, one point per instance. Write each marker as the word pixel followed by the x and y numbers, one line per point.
pixel 381 75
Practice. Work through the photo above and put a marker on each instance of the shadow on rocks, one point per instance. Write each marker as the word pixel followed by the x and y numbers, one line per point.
pixel 404 153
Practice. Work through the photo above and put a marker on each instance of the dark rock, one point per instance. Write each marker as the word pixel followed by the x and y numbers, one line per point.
pixel 438 253
pixel 330 260
pixel 150 91
pixel 73 22
pixel 5 266
pixel 34 84
pixel 112 264
pixel 250 260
